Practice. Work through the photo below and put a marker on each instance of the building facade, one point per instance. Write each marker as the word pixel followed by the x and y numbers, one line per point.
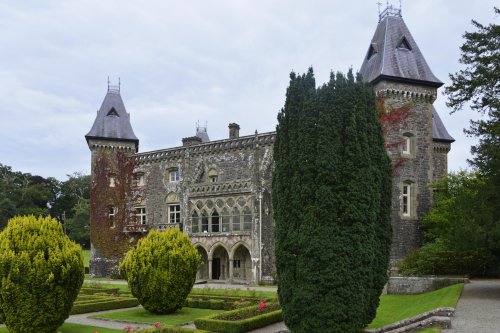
pixel 219 192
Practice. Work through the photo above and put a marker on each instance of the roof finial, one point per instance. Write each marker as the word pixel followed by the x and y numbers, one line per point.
pixel 390 10
pixel 379 4
pixel 114 88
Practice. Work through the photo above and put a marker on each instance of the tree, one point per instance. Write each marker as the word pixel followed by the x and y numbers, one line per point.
pixel 331 196
pixel 41 272
pixel 161 270
pixel 78 226
pixel 479 85
pixel 463 236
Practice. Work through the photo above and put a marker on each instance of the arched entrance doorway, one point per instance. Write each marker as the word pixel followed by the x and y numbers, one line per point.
pixel 220 263
pixel 242 264
pixel 203 271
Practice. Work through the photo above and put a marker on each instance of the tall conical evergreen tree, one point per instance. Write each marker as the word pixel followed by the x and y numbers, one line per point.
pixel 331 193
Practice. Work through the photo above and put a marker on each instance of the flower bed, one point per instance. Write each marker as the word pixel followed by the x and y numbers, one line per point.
pixel 242 320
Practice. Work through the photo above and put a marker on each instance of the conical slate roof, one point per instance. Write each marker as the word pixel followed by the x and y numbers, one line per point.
pixel 439 132
pixel 112 121
pixel 393 54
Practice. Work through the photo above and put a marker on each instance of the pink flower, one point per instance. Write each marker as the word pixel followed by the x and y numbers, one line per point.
pixel 262 306
pixel 157 324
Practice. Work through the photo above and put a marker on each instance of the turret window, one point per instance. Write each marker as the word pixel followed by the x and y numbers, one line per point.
pixel 408 145
pixel 111 216
pixel 139 179
pixel 140 215
pixel 406 202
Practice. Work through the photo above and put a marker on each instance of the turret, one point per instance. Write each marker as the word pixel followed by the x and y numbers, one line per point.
pixel 111 141
pixel 407 88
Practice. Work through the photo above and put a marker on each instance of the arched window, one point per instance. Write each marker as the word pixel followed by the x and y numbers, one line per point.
pixel 236 220
pixel 215 222
pixel 226 220
pixel 195 223
pixel 204 222
pixel 213 176
pixel 247 219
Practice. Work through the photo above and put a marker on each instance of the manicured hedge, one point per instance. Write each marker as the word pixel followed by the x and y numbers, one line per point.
pixel 101 305
pixel 241 320
pixel 172 329
pixel 92 290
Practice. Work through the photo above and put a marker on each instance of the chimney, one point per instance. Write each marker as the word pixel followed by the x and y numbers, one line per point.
pixel 191 141
pixel 234 131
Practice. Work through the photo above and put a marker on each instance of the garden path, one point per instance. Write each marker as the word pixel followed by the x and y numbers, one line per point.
pixel 84 319
pixel 478 309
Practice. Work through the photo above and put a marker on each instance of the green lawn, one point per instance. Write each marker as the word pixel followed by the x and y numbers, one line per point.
pixel 430 330
pixel 74 328
pixel 182 316
pixel 398 307
pixel 86 258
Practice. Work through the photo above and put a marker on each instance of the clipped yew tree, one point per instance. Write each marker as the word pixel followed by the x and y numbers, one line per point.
pixel 161 270
pixel 331 199
pixel 41 273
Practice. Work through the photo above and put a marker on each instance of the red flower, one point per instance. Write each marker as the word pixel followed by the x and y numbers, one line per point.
pixel 262 306
pixel 157 324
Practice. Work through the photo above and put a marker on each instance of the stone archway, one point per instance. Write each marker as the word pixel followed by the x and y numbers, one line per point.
pixel 203 271
pixel 219 263
pixel 241 264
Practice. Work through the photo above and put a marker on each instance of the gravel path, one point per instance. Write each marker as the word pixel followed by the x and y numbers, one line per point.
pixel 478 310
pixel 84 319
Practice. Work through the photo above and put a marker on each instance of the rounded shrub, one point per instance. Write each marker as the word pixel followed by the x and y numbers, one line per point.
pixel 161 270
pixel 41 272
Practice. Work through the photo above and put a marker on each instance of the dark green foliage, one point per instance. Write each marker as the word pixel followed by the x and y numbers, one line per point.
pixel 161 270
pixel 41 272
pixel 172 329
pixel 241 320
pixel 78 226
pixel 478 85
pixel 331 196
pixel 462 231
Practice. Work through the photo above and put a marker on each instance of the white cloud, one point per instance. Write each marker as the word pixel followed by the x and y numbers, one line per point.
pixel 216 61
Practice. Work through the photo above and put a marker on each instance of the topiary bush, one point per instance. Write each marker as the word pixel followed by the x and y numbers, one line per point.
pixel 161 270
pixel 41 272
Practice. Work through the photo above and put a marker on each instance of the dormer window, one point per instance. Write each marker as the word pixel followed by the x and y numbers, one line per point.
pixel 112 181
pixel 213 176
pixel 112 112
pixel 404 44
pixel 371 51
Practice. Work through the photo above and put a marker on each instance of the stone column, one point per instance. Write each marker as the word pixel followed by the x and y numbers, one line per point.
pixel 230 270
pixel 209 269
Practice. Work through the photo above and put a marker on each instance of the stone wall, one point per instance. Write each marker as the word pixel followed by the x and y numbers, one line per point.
pixel 414 285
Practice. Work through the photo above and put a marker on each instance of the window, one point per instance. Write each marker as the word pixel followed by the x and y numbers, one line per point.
pixel 139 179
pixel 215 222
pixel 195 223
pixel 406 202
pixel 213 176
pixel 408 144
pixel 204 223
pixel 174 214
pixel 247 219
pixel 226 220
pixel 236 263
pixel 174 175
pixel 111 216
pixel 112 181
pixel 236 220
pixel 140 215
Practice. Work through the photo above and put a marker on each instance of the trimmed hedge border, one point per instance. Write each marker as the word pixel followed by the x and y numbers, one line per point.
pixel 222 323
pixel 172 329
pixel 100 305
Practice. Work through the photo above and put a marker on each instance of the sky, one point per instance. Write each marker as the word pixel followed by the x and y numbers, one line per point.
pixel 183 62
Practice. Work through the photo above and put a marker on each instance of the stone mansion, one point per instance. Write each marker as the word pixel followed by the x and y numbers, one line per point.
pixel 219 192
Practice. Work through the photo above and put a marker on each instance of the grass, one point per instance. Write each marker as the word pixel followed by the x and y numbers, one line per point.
pixel 394 308
pixel 121 287
pixel 75 328
pixel 86 258
pixel 430 330
pixel 182 316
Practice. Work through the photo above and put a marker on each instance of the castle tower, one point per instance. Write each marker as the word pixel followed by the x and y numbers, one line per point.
pixel 416 138
pixel 111 140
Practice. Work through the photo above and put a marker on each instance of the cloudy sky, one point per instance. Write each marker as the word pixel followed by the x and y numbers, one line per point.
pixel 180 62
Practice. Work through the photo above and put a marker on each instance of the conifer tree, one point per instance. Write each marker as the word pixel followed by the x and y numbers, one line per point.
pixel 331 193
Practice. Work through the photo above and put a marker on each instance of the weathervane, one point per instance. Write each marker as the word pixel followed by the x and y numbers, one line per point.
pixel 114 88
pixel 390 10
